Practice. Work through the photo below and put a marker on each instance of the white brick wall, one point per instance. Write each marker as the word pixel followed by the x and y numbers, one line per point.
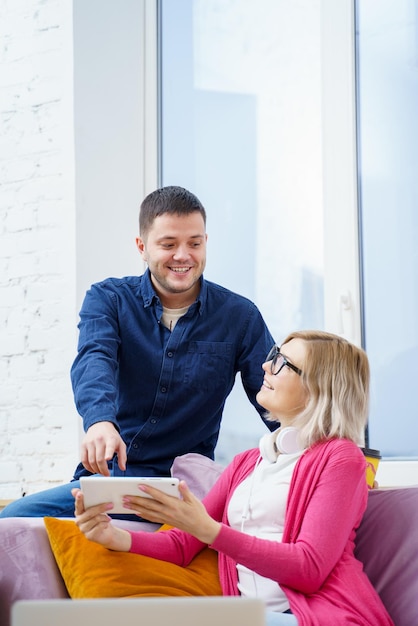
pixel 38 422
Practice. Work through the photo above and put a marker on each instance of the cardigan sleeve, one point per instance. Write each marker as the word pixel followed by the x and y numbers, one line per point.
pixel 333 510
pixel 174 546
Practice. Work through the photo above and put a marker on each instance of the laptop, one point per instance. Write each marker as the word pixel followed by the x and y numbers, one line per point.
pixel 161 611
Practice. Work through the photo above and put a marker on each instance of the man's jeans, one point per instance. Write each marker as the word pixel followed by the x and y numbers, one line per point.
pixel 55 502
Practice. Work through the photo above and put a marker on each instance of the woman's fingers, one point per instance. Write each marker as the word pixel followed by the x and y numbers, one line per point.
pixel 89 525
pixel 84 516
pixel 160 507
pixel 186 494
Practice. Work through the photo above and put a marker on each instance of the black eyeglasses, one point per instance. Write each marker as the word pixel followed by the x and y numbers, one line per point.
pixel 278 362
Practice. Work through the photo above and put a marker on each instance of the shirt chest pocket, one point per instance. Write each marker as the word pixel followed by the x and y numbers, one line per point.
pixel 209 365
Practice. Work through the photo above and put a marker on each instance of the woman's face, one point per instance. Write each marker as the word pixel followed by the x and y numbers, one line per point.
pixel 283 394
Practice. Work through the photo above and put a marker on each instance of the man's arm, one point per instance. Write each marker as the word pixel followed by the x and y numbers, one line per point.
pixel 94 380
pixel 101 442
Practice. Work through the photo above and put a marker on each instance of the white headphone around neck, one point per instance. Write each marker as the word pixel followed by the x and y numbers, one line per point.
pixel 284 441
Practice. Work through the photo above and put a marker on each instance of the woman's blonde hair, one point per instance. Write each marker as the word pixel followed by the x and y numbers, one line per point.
pixel 336 375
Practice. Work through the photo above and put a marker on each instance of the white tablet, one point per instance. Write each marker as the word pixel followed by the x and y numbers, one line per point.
pixel 100 489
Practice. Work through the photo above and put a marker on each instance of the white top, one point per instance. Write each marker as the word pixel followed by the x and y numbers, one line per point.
pixel 258 508
pixel 170 317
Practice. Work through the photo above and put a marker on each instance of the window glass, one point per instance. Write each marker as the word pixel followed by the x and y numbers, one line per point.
pixel 241 128
pixel 387 54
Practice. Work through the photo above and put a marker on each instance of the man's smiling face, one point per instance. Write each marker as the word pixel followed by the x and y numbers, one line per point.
pixel 175 250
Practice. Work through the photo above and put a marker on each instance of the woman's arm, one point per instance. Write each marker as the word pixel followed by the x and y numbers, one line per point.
pixel 96 524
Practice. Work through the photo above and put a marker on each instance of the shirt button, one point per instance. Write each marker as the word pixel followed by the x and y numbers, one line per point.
pixel 153 421
pixel 170 354
pixel 135 446
pixel 163 389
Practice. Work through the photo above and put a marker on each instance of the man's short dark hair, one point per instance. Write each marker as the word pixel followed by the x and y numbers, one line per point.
pixel 172 200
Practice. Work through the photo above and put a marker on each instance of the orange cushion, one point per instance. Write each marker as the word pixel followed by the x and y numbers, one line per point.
pixel 91 571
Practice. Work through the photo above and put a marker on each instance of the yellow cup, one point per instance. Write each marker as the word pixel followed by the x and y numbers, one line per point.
pixel 372 458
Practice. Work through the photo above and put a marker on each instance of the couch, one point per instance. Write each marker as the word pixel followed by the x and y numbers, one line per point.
pixel 386 543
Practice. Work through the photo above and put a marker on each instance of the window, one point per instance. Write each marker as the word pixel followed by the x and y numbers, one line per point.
pixel 241 128
pixel 258 118
pixel 387 77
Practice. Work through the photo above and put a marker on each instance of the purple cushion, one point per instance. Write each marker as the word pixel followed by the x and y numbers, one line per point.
pixel 199 472
pixel 28 569
pixel 387 544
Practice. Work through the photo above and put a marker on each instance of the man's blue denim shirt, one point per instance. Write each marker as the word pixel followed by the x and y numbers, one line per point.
pixel 164 391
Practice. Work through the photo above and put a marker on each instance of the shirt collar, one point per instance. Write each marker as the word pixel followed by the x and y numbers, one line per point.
pixel 150 296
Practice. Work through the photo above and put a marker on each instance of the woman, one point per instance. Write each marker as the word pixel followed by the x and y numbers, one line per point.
pixel 283 516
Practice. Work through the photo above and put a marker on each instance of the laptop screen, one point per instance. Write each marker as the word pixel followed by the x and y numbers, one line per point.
pixel 162 611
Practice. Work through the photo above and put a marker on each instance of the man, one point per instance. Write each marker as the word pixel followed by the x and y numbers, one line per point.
pixel 157 356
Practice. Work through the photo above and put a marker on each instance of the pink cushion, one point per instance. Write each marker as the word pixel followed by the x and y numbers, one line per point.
pixel 28 569
pixel 387 544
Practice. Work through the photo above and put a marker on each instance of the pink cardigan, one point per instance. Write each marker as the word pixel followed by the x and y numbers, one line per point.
pixel 315 563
